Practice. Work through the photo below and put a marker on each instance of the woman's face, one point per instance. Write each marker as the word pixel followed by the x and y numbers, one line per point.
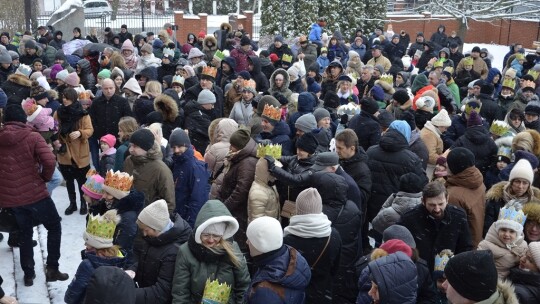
pixel 515 120
pixel 519 187
pixel 247 95
pixel 496 78
pixel 127 52
pixel 210 240
pixel 527 262
pixel 324 123
pixel 67 102
pixel 345 87
pixel 38 66
pixel 333 42
pixel 118 81
pixel 532 231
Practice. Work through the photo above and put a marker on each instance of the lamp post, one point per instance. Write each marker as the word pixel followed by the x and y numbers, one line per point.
pixel 142 13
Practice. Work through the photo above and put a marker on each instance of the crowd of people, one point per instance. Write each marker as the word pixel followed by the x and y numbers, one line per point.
pixel 366 169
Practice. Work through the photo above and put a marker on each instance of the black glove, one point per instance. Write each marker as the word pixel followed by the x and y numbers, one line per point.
pixel 344 119
pixel 271 162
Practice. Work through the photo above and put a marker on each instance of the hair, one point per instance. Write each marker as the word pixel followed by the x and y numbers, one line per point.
pixel 370 68
pixel 77 29
pixel 348 137
pixel 339 83
pixel 116 74
pixel 108 252
pixel 71 94
pixel 228 248
pixel 433 189
pixel 128 125
pixel 152 89
pixel 117 60
pixel 158 132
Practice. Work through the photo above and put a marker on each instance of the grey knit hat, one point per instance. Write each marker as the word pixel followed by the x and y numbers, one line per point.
pixel 179 138
pixel 206 97
pixel 309 201
pixel 155 215
pixel 399 232
pixel 321 113
pixel 306 123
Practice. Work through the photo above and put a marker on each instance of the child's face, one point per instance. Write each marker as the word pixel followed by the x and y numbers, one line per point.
pixel 507 236
pixel 85 105
pixel 311 74
pixel 501 165
pixel 104 146
pixel 38 66
pixel 468 67
pixel 323 55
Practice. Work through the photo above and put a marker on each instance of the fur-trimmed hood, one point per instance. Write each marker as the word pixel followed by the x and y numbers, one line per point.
pixel 53 94
pixel 226 26
pixel 524 138
pixel 20 80
pixel 505 294
pixel 212 39
pixel 286 81
pixel 166 105
pixel 532 211
pixel 496 192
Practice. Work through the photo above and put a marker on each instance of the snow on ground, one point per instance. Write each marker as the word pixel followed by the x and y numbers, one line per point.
pixel 72 243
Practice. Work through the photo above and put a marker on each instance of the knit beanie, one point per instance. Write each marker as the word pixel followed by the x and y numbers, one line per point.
pixel 402 127
pixel 522 169
pixel 147 48
pixel 369 105
pixel 94 186
pixel 72 79
pixel 460 159
pixel 312 85
pixel 474 120
pixel 24 70
pixel 401 96
pixel 14 113
pixel 426 103
pixel 393 246
pixel 400 233
pixel 206 97
pixel 245 75
pixel 412 183
pixel 377 93
pixel 240 138
pixel 442 119
pixel 321 113
pixel 307 142
pixel 306 123
pixel 179 138
pixel 5 58
pixel 385 118
pixel 245 41
pixel 30 44
pixel 109 139
pixel 54 70
pixel 309 201
pixel 155 215
pixel 511 72
pixel 472 274
pixel 534 249
pixel 265 234
pixel 143 138
pixel 105 73
pixel 533 108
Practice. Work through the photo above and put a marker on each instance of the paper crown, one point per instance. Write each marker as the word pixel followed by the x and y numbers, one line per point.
pixel 499 127
pixel 388 78
pixel 510 213
pixel 209 71
pixel 520 56
pixel 438 64
pixel 270 150
pixel 473 105
pixel 449 69
pixel 509 83
pixel 216 293
pixel 271 112
pixel 442 259
pixel 350 109
pixel 118 184
pixel 286 58
pixel 84 95
pixel 178 79
pixel 505 151
pixel 533 73
pixel 219 55
pixel 91 172
pixel 100 229
pixel 468 61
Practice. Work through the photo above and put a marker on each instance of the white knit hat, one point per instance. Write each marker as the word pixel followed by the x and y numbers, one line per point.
pixel 155 215
pixel 534 248
pixel 522 169
pixel 441 119
pixel 265 234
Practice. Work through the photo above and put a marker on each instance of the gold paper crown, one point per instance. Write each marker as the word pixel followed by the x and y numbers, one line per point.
pixel 270 150
pixel 442 259
pixel 533 73
pixel 250 84
pixel 209 71
pixel 449 69
pixel 271 112
pixel 84 95
pixel 438 64
pixel 103 226
pixel 468 61
pixel 499 127
pixel 287 58
pixel 387 78
pixel 509 83
pixel 119 180
pixel 91 172
pixel 216 293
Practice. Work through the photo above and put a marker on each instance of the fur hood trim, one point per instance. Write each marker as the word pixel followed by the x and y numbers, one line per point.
pixel 226 26
pixel 532 210
pixel 523 136
pixel 53 94
pixel 496 192
pixel 20 80
pixel 213 40
pixel 167 107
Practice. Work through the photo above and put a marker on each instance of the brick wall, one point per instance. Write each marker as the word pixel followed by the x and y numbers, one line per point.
pixel 189 24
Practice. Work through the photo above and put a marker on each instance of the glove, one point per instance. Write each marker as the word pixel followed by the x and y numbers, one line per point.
pixel 344 119
pixel 271 162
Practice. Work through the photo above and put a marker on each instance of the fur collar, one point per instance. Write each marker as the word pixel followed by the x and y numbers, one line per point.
pixel 505 294
pixel 20 80
pixel 496 192
pixel 166 106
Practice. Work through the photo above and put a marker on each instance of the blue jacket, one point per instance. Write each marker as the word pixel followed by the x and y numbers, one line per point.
pixel 191 185
pixel 323 63
pixel 315 33
pixel 77 288
pixel 272 282
pixel 280 135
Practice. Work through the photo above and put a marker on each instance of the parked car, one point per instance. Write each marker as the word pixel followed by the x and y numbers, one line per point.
pixel 97 8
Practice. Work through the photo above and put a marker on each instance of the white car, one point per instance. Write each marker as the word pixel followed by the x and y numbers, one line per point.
pixel 96 9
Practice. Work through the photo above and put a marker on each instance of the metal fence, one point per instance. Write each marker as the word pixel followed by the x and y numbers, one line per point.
pixel 256 27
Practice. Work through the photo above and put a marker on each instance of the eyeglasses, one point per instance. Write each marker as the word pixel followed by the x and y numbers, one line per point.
pixel 208 236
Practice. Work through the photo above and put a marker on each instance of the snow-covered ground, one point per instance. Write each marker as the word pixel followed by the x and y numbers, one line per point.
pixel 72 243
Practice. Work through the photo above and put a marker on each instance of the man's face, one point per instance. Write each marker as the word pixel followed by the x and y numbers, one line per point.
pixel 453 50
pixel 476 90
pixel 475 55
pixel 123 30
pixel 267 126
pixel 30 51
pixel 395 40
pixel 518 47
pixel 433 80
pixel 527 94
pixel 436 205
pixel 245 48
pixel 366 75
pixel 529 117
pixel 136 150
pixel 41 31
pixel 375 53
pixel 335 71
pixel 206 83
pixel 4 40
pixel 453 296
pixel 277 44
pixel 178 150
pixel 108 88
pixel 420 39
pixel 343 151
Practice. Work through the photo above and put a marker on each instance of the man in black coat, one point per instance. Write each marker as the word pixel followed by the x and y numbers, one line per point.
pixel 436 225
pixel 366 125
pixel 207 78
pixel 254 68
pixel 124 34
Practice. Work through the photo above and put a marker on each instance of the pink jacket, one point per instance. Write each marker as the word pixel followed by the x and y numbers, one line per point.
pixel 41 119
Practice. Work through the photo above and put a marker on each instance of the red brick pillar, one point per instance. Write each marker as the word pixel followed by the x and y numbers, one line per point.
pixel 248 22
pixel 203 23
pixel 181 33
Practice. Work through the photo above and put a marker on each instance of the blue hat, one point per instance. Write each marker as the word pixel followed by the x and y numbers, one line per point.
pixel 402 127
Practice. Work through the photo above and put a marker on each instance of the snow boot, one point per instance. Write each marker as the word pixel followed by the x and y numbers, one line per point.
pixel 70 209
pixel 13 240
pixel 29 279
pixel 84 208
pixel 52 274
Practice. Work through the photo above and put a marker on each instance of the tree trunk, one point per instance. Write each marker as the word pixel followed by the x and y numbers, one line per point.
pixel 462 33
pixel 115 5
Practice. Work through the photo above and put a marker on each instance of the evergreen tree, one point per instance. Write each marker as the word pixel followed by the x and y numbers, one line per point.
pixel 305 13
pixel 272 17
pixel 202 6
pixel 225 7
pixel 375 9
pixel 331 10
pixel 353 16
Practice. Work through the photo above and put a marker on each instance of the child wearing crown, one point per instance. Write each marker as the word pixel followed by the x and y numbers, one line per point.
pixel 505 238
pixel 100 251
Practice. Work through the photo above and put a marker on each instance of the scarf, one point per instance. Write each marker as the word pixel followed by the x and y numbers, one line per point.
pixel 309 226
pixel 131 61
pixel 343 95
pixel 69 116
pixel 523 199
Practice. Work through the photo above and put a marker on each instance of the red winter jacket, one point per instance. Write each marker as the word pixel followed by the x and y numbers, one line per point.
pixel 26 164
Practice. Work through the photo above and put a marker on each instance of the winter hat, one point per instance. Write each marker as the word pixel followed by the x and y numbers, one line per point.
pixel 273 57
pixel 377 93
pixel 307 142
pixel 391 246
pixel 105 73
pixel 402 127
pixel 534 249
pixel 147 48
pixel 94 186
pixel 511 73
pixel 240 138
pixel 278 38
pixel 324 160
pixel 293 72
pixel 533 108
pixel 531 158
pixel 385 119
pixel 511 216
pixel 157 44
pixel 72 79
pixel 442 119
pixel 472 274
pixel 24 70
pixel 100 229
pixel 306 123
pixel 155 215
pixel 369 105
pixel 194 53
pixel 143 138
pixel 179 138
pixel 487 88
pixel 245 41
pixel 30 44
pixel 245 75
pixel 109 139
pixel 42 81
pixel 426 103
pixel 4 57
pixel 14 113
pixel 321 113
pixel 460 159
pixel 313 86
pixel 412 183
pixel 55 69
pixel 522 169
pixel 401 96
pixel 309 201
pixel 265 234
pixel 206 97
pixel 400 233
pixel 474 120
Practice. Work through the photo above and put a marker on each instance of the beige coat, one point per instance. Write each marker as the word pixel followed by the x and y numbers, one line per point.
pixel 78 149
pixel 263 200
pixel 434 145
pixel 505 258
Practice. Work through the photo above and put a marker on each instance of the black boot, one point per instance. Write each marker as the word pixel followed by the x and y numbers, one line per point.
pixel 84 209
pixel 29 279
pixel 1 237
pixel 13 240
pixel 52 274
pixel 70 209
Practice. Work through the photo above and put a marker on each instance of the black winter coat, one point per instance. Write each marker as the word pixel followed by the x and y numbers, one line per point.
pixel 155 268
pixel 367 129
pixel 388 161
pixel 357 168
pixel 490 109
pixel 294 166
pixel 110 284
pixel 197 123
pixel 418 147
pixel 458 128
pixel 17 88
pixel 432 236
pixel 527 285
pixel 105 114
pixel 478 140
pixel 425 58
pixel 164 70
pixel 193 93
pixel 261 81
pixel 143 106
pixel 86 77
